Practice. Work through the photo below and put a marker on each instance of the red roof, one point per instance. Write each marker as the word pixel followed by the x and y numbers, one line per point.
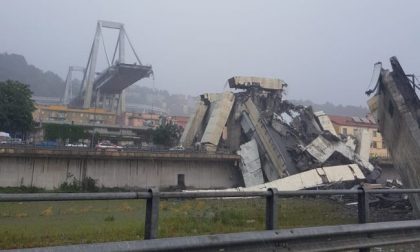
pixel 353 121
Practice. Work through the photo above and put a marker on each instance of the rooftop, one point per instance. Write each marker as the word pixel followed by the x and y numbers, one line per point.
pixel 63 108
pixel 354 121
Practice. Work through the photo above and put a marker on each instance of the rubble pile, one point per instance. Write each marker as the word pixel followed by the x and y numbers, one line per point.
pixel 275 138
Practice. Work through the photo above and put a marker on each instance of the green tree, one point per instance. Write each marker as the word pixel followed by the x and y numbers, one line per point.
pixel 167 135
pixel 64 131
pixel 16 108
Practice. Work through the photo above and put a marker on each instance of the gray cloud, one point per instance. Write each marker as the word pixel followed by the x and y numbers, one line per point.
pixel 324 49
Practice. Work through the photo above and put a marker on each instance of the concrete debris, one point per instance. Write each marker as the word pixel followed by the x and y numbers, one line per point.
pixel 322 149
pixel 250 164
pixel 214 110
pixel 325 122
pixel 275 165
pixel 263 83
pixel 194 125
pixel 351 143
pixel 313 179
pixel 220 110
pixel 288 139
pixel 316 178
pixel 364 140
pixel 396 107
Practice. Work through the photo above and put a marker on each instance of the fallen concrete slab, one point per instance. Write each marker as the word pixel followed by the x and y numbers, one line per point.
pixel 315 178
pixel 250 164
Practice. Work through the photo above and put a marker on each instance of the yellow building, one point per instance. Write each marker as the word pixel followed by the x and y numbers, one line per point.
pixel 106 125
pixel 59 113
pixel 350 125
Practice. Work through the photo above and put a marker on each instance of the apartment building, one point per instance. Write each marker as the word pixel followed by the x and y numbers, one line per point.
pixel 350 125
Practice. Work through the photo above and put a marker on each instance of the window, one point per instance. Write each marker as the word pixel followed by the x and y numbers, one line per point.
pixel 383 144
pixel 374 145
pixel 61 114
pixel 374 133
pixel 344 131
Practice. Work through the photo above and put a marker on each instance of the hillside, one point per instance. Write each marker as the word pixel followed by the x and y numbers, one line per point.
pixel 15 67
pixel 332 109
pixel 49 84
pixel 173 104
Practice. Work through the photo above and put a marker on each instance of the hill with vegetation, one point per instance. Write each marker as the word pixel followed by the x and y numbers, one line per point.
pixel 15 67
pixel 332 109
pixel 49 84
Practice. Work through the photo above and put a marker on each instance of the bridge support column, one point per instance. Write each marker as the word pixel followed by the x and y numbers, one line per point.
pixel 90 69
pixel 121 103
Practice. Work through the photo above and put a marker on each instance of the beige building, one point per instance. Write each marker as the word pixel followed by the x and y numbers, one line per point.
pixel 350 125
pixel 60 113
pixel 107 125
pixel 133 119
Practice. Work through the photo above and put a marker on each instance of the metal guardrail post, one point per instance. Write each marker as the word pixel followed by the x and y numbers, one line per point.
pixel 363 210
pixel 151 223
pixel 363 206
pixel 271 213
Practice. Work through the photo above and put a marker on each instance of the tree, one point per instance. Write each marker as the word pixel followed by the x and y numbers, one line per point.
pixel 167 135
pixel 64 131
pixel 16 108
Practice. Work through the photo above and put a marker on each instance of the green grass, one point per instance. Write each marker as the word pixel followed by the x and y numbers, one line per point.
pixel 37 224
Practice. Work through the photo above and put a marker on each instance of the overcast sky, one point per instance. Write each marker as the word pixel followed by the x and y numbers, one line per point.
pixel 324 50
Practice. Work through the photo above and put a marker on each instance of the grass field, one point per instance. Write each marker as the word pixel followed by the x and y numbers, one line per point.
pixel 37 224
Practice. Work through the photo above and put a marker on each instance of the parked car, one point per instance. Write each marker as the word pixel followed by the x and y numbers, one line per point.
pixel 4 137
pixel 177 148
pixel 5 141
pixel 47 144
pixel 12 141
pixel 76 145
pixel 107 145
pixel 132 147
pixel 16 141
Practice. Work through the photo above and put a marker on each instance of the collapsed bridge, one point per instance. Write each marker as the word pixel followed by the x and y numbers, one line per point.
pixel 274 137
pixel 106 89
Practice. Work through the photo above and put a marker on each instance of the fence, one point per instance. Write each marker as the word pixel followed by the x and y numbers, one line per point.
pixel 271 196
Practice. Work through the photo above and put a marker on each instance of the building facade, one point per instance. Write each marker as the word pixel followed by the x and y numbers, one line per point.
pixel 346 125
pixel 134 119
pixel 104 125
pixel 63 114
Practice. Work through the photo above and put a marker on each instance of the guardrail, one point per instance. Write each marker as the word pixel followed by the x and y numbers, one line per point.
pixel 313 239
pixel 272 195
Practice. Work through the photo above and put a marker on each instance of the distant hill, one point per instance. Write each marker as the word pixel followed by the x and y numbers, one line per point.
pixel 49 84
pixel 15 67
pixel 178 104
pixel 173 104
pixel 332 109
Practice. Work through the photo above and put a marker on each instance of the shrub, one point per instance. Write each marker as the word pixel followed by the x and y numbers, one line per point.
pixel 87 184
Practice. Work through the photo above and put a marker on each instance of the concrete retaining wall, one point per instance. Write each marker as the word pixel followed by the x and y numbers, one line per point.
pixel 50 171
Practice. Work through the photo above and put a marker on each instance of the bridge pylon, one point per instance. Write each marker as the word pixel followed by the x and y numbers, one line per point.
pixel 68 91
pixel 106 89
